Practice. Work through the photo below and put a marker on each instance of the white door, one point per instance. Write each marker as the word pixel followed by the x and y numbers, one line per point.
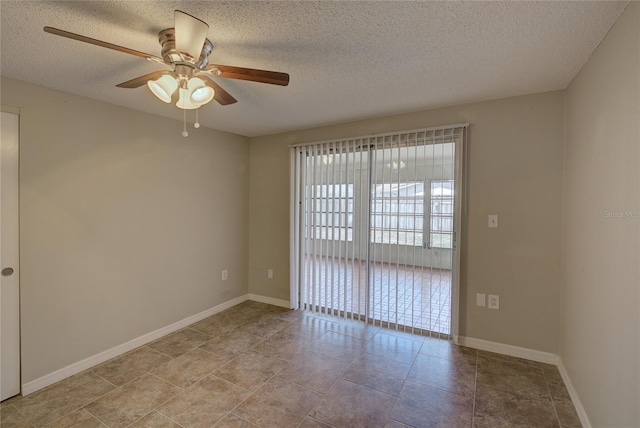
pixel 9 278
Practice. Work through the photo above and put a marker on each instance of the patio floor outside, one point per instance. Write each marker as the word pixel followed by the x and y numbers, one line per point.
pixel 408 298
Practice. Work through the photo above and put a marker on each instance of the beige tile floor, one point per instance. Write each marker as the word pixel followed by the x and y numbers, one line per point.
pixel 256 365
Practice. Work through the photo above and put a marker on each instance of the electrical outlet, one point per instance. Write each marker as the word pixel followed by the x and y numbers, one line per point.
pixel 225 275
pixel 270 273
pixel 480 299
pixel 494 301
pixel 493 221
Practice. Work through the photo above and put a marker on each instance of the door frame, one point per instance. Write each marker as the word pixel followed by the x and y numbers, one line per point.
pixel 15 264
pixel 460 213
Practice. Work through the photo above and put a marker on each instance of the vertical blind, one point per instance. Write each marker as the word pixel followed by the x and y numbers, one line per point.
pixel 373 227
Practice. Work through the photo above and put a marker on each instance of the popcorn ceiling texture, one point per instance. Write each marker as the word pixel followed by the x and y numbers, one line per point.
pixel 347 60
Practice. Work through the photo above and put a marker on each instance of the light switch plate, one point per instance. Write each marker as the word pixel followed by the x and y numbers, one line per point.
pixel 480 299
pixel 493 221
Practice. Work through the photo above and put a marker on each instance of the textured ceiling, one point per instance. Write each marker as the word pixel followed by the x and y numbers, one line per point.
pixel 347 60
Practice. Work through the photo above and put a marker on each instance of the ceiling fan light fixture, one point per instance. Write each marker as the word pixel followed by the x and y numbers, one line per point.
pixel 200 93
pixel 163 88
pixel 186 49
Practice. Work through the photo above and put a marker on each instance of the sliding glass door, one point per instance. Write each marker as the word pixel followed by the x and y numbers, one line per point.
pixel 374 224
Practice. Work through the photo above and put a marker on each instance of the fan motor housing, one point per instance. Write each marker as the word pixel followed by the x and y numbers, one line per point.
pixel 167 39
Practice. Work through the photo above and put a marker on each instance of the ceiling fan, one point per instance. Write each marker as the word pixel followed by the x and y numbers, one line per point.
pixel 185 49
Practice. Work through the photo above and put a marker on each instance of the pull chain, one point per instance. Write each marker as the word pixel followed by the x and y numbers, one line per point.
pixel 184 124
pixel 184 119
pixel 197 124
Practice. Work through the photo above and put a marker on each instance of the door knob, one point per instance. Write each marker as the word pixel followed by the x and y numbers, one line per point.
pixel 7 271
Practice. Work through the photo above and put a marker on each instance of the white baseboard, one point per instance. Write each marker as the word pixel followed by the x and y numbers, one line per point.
pixel 582 414
pixel 501 348
pixel 269 300
pixel 530 354
pixel 94 360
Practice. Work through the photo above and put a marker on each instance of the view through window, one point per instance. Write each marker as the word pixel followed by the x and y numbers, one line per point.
pixel 398 213
pixel 441 215
pixel 332 216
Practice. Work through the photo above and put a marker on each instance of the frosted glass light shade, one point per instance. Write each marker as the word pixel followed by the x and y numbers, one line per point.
pixel 164 87
pixel 184 101
pixel 200 93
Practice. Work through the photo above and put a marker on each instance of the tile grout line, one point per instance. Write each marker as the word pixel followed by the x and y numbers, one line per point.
pixel 161 414
pixel 155 409
pixel 252 393
pixel 111 383
pixel 275 375
pixel 553 402
pixel 230 412
pixel 86 404
pixel 475 393
pixel 95 416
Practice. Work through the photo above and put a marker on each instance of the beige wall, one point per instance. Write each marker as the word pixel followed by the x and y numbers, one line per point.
pixel 601 280
pixel 125 225
pixel 515 170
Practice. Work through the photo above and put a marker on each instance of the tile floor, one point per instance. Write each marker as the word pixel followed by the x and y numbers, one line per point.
pixel 418 297
pixel 256 365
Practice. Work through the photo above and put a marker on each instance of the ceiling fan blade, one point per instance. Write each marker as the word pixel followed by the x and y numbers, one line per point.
pixel 251 74
pixel 190 34
pixel 221 96
pixel 139 81
pixel 97 42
